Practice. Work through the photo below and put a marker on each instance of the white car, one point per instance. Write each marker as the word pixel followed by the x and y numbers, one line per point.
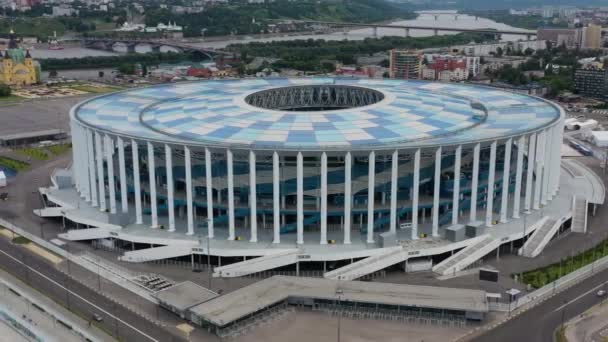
pixel 601 293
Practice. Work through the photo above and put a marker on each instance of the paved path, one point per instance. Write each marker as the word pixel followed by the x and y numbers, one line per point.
pixel 590 326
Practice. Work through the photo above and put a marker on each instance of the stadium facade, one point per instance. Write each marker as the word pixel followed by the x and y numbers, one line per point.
pixel 315 160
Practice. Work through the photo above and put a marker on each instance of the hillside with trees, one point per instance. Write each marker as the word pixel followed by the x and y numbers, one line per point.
pixel 313 54
pixel 245 18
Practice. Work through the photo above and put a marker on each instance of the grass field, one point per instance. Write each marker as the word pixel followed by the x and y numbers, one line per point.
pixel 59 149
pixel 10 98
pixel 94 89
pixel 13 164
pixel 20 240
pixel 44 153
pixel 33 153
pixel 542 276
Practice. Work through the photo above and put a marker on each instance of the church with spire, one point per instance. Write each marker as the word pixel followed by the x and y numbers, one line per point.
pixel 18 68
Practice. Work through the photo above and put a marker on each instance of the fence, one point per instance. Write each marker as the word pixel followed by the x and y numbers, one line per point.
pixel 404 316
pixel 310 273
pixel 263 318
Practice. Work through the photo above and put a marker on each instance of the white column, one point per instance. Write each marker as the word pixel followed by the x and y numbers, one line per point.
pixel 490 194
pixel 109 147
pixel 555 167
pixel 75 156
pixel 415 189
pixel 540 155
pixel 547 165
pixel 276 198
pixel 530 171
pixel 371 185
pixel 456 197
pixel 77 171
pixel 152 185
pixel 189 204
pixel 136 182
pixel 347 197
pixel 209 188
pixel 394 175
pixel 323 198
pixel 92 173
pixel 436 192
pixel 300 198
pixel 505 181
pixel 231 234
pixel 100 176
pixel 558 155
pixel 124 202
pixel 518 173
pixel 170 197
pixel 475 183
pixel 85 163
pixel 253 198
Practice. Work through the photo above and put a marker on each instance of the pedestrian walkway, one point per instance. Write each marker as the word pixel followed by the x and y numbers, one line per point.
pixel 540 238
pixel 590 326
pixel 579 215
pixel 468 255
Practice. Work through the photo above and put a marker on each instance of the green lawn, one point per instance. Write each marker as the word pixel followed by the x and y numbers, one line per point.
pixel 20 240
pixel 10 98
pixel 44 153
pixel 59 149
pixel 93 89
pixel 13 164
pixel 560 335
pixel 542 276
pixel 33 153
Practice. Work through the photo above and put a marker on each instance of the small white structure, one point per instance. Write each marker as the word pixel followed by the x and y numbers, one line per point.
pixel 569 122
pixel 2 179
pixel 600 138
pixel 574 124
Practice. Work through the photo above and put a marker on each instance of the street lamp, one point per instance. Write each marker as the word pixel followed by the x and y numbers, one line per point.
pixel 563 315
pixel 208 254
pixel 339 293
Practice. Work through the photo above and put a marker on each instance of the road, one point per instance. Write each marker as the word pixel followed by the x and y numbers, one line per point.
pixel 123 324
pixel 539 323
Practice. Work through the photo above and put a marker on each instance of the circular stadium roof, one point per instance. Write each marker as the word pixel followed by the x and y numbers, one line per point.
pixel 317 113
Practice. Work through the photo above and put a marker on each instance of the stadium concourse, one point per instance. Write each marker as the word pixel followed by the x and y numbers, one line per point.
pixel 315 170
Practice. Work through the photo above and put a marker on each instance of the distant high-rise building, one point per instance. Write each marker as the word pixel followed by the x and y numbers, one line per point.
pixel 592 82
pixel 405 64
pixel 567 36
pixel 450 67
pixel 592 37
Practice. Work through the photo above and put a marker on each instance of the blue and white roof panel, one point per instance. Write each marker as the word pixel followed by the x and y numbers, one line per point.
pixel 412 113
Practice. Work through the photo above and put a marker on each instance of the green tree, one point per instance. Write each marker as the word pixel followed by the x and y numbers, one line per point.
pixel 127 68
pixel 5 90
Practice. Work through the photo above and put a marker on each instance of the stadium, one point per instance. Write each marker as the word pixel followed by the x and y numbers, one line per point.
pixel 330 168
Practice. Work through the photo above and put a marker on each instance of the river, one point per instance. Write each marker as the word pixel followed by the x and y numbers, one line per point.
pixel 443 20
